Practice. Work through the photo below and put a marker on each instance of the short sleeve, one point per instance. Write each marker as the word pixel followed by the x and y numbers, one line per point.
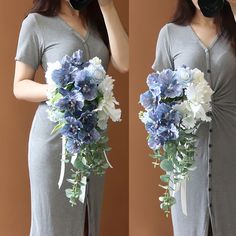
pixel 29 48
pixel 163 59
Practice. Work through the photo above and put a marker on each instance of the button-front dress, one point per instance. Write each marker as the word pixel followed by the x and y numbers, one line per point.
pixel 211 191
pixel 47 39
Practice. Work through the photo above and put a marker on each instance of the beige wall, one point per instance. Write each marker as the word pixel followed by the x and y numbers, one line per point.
pixel 146 218
pixel 15 121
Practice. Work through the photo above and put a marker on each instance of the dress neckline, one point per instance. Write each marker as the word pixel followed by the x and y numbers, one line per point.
pixel 213 42
pixel 83 38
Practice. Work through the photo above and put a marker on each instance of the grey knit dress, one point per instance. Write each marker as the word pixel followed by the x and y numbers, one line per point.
pixel 211 191
pixel 47 39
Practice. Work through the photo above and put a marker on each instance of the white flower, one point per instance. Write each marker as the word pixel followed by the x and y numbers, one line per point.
pixel 106 106
pixel 55 115
pixel 95 61
pixel 51 84
pixel 102 120
pixel 50 68
pixel 185 75
pixel 198 76
pixel 96 69
pixel 185 109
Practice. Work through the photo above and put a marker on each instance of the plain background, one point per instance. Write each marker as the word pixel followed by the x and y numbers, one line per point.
pixel 146 217
pixel 15 122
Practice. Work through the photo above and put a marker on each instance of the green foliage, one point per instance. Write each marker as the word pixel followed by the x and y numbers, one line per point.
pixel 176 159
pixel 96 163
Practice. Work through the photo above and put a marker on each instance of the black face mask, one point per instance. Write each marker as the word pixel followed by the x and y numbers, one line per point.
pixel 211 8
pixel 79 4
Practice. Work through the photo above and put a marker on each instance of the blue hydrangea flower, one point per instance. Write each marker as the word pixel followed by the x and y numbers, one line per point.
pixel 154 84
pixel 162 135
pixel 71 128
pixel 164 115
pixel 71 101
pixel 86 85
pixel 154 142
pixel 148 100
pixel 166 83
pixel 170 84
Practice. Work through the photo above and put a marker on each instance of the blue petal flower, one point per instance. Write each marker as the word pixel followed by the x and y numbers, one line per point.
pixel 86 85
pixel 62 77
pixel 72 101
pixel 88 120
pixel 161 125
pixel 73 145
pixel 72 127
pixel 89 137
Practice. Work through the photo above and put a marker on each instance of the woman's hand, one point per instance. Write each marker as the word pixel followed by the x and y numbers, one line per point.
pixel 118 38
pixel 24 86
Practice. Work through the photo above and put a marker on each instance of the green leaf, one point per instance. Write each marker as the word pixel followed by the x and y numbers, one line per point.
pixel 57 127
pixel 78 164
pixel 69 193
pixel 164 206
pixel 165 178
pixel 166 165
pixel 171 200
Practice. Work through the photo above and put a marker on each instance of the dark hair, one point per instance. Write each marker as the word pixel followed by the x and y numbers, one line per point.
pixel 91 13
pixel 225 21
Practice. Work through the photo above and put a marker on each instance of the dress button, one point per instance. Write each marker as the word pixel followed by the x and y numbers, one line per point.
pixel 209 175
pixel 210 130
pixel 210 160
pixel 209 189
pixel 208 71
pixel 210 205
pixel 88 180
pixel 210 145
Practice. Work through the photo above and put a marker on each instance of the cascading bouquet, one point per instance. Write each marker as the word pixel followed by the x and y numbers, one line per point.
pixel 80 102
pixel 176 103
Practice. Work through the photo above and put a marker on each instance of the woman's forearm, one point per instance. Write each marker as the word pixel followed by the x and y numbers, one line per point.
pixel 30 90
pixel 118 38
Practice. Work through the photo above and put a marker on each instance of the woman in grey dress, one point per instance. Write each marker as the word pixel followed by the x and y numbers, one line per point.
pixel 208 44
pixel 53 29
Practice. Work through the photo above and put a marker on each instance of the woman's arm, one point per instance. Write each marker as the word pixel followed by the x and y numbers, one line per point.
pixel 24 87
pixel 117 36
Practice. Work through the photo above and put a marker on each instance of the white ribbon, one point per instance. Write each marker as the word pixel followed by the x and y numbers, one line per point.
pixel 63 163
pixel 107 159
pixel 83 189
pixel 73 158
pixel 183 194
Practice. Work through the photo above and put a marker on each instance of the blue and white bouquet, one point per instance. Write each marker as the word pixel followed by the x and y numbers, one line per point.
pixel 80 102
pixel 176 103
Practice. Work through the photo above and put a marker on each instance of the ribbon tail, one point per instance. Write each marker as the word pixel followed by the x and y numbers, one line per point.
pixel 107 159
pixel 83 184
pixel 83 189
pixel 63 159
pixel 184 196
